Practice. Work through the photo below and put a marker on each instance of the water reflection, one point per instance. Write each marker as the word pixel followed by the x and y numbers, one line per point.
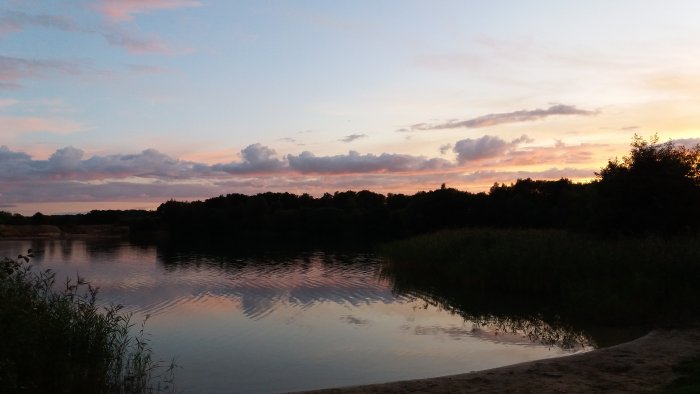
pixel 503 315
pixel 278 321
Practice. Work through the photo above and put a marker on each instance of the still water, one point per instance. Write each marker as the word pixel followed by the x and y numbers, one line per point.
pixel 276 323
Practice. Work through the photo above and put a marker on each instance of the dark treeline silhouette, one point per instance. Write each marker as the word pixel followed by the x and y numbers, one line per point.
pixel 656 189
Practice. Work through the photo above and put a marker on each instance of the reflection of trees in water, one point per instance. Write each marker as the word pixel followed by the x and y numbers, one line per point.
pixel 497 314
pixel 264 282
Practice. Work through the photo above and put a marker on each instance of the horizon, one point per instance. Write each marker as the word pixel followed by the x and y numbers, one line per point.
pixel 108 104
pixel 56 209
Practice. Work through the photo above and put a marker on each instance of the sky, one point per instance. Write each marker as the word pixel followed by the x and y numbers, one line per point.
pixel 121 104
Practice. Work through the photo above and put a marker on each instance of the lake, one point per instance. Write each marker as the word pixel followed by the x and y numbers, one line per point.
pixel 276 322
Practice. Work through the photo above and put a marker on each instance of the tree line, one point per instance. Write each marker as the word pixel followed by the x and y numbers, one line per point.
pixel 655 189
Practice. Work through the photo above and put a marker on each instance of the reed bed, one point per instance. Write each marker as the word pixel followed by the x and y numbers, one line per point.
pixel 61 341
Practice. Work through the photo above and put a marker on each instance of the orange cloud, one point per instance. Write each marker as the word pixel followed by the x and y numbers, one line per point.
pixel 124 10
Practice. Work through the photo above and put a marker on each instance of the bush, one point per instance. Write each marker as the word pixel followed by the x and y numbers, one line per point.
pixel 61 341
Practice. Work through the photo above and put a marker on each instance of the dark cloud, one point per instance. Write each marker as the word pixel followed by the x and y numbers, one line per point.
pixel 68 164
pixel 505 117
pixel 485 147
pixel 352 137
pixel 687 142
pixel 6 155
pixel 353 162
pixel 481 148
pixel 257 158
pixel 445 148
pixel 33 191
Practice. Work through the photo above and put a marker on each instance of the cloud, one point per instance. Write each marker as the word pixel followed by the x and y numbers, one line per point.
pixel 130 41
pixel 6 155
pixel 14 69
pixel 13 125
pixel 559 154
pixel 445 148
pixel 491 176
pixel 146 69
pixel 687 142
pixel 257 158
pixel 68 164
pixel 66 159
pixel 352 137
pixel 353 162
pixel 11 22
pixel 485 147
pixel 523 139
pixel 33 191
pixel 505 117
pixel 124 10
pixel 136 44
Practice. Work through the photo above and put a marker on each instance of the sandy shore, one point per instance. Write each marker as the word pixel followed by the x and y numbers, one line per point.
pixel 641 365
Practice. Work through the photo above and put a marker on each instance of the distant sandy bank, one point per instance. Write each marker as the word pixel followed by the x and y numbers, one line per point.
pixel 640 365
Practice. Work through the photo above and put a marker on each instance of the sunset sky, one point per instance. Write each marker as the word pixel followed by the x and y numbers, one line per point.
pixel 128 103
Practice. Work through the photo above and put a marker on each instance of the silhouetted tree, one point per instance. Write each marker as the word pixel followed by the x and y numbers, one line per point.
pixel 654 189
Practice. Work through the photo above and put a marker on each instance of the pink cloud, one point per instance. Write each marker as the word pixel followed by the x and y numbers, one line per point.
pixel 124 10
pixel 559 154
pixel 13 125
pixel 137 44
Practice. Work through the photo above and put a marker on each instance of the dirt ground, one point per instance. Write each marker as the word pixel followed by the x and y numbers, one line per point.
pixel 641 365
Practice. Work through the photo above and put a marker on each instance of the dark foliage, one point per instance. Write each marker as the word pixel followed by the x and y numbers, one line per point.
pixel 654 189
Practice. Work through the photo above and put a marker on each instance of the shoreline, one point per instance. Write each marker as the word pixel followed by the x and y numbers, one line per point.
pixel 49 231
pixel 643 364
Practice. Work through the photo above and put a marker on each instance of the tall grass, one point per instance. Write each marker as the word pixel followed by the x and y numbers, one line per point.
pixel 61 341
pixel 565 277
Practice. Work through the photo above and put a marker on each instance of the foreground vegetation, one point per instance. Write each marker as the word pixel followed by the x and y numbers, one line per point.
pixel 61 341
